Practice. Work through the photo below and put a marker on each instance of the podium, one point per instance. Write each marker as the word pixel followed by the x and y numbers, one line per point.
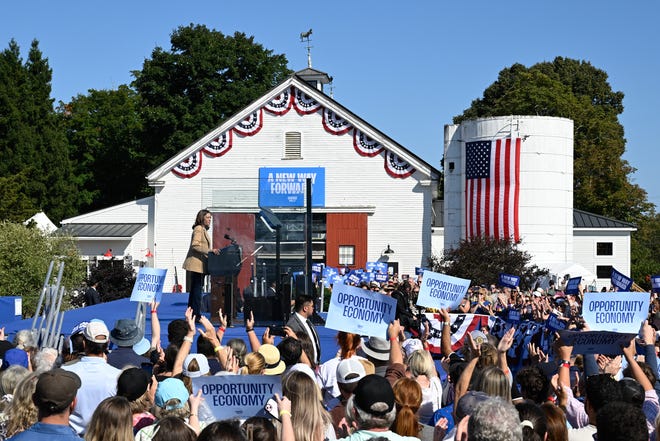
pixel 223 269
pixel 226 263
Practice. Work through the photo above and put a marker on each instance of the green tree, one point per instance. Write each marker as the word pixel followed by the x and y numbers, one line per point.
pixel 104 130
pixel 203 79
pixel 15 205
pixel 645 250
pixel 31 140
pixel 26 253
pixel 482 259
pixel 579 91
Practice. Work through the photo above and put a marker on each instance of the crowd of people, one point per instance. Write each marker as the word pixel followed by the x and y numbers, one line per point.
pixel 114 385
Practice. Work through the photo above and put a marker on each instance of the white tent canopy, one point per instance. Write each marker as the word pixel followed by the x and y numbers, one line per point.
pixel 43 222
pixel 559 271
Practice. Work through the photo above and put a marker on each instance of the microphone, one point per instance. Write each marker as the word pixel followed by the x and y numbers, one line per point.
pixel 229 238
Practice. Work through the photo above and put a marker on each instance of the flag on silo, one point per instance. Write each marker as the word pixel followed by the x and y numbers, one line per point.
pixel 492 188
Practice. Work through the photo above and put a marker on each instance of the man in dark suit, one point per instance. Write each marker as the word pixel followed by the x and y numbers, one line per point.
pixel 271 291
pixel 300 322
pixel 92 296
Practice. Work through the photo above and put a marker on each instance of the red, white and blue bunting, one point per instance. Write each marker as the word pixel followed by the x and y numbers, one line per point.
pixel 334 123
pixel 366 146
pixel 190 166
pixel 251 125
pixel 281 104
pixel 397 167
pixel 304 104
pixel 220 145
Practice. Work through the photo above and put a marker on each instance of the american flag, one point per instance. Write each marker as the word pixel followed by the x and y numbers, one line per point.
pixel 461 326
pixel 492 173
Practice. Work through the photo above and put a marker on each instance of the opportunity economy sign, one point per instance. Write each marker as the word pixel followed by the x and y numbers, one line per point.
pixel 615 311
pixel 441 291
pixel 360 311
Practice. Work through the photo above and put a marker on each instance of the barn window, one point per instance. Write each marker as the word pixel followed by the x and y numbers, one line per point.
pixel 292 145
pixel 347 255
pixel 604 249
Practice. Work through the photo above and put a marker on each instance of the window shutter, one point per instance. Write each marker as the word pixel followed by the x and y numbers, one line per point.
pixel 292 145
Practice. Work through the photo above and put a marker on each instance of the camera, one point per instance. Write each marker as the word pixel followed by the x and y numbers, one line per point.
pixel 277 331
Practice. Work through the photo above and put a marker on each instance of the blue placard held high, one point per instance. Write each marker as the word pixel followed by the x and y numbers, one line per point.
pixel 148 284
pixel 441 291
pixel 621 282
pixel 655 283
pixel 360 311
pixel 573 285
pixel 509 280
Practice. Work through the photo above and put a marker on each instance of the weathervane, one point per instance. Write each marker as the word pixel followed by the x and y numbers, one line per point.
pixel 304 36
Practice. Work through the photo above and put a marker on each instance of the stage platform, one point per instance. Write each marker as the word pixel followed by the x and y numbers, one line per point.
pixel 172 306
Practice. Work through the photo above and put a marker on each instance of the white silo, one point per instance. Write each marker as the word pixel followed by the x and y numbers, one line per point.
pixel 511 176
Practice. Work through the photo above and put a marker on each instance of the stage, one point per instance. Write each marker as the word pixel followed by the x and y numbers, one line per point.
pixel 172 306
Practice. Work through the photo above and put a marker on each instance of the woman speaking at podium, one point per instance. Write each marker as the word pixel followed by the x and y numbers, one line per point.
pixel 196 260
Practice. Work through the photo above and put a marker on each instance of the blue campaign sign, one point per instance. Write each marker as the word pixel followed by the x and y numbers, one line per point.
pixel 573 285
pixel 285 187
pixel 370 266
pixel 329 272
pixel 237 396
pixel 317 268
pixel 554 323
pixel 655 283
pixel 360 311
pixel 148 284
pixel 615 311
pixel 509 280
pixel 596 342
pixel 337 280
pixel 513 315
pixel 354 278
pixel 381 266
pixel 419 270
pixel 621 282
pixel 366 277
pixel 378 277
pixel 441 291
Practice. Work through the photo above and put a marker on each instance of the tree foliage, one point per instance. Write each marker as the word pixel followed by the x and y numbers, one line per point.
pixel 203 79
pixel 25 255
pixel 104 130
pixel 579 91
pixel 645 250
pixel 482 259
pixel 31 141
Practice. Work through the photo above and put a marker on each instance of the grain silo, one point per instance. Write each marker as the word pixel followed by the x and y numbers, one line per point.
pixel 511 176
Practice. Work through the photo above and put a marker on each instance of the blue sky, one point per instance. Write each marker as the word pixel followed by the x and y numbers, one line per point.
pixel 405 67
